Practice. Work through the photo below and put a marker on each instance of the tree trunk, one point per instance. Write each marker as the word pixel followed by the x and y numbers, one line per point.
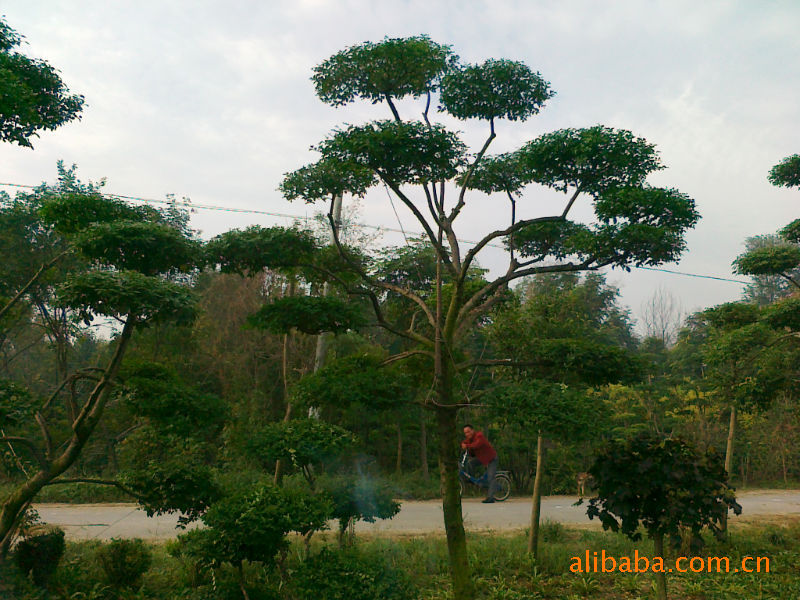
pixel 661 578
pixel 460 573
pixel 729 448
pixel 729 457
pixel 783 466
pixel 82 428
pixel 423 447
pixel 288 413
pixel 285 373
pixel 323 339
pixel 399 463
pixel 533 535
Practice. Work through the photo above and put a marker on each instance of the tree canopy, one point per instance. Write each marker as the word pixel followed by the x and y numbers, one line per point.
pixel 32 95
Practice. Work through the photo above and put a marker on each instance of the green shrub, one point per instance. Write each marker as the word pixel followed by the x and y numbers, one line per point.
pixel 552 531
pixel 359 498
pixel 351 576
pixel 252 524
pixel 40 554
pixel 124 562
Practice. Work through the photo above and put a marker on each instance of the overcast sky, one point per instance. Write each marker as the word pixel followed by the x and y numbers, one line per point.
pixel 212 100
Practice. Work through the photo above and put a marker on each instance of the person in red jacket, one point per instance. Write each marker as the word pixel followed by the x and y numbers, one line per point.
pixel 482 453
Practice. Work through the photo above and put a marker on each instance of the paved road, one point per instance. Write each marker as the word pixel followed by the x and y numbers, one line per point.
pixel 104 521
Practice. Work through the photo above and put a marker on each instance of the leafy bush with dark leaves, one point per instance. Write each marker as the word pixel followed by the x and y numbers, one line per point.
pixel 349 575
pixel 40 554
pixel 124 562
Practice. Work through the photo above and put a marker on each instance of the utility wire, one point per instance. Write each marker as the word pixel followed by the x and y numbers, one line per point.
pixel 254 211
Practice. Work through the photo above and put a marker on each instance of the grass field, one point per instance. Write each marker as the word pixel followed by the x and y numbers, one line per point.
pixel 502 569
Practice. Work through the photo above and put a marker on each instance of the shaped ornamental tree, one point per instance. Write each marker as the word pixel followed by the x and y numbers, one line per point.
pixel 429 170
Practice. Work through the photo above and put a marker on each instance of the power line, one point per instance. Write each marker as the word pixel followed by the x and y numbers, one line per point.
pixel 254 211
pixel 694 275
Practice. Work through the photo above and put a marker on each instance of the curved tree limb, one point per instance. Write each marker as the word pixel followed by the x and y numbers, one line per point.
pixel 18 296
pixel 461 194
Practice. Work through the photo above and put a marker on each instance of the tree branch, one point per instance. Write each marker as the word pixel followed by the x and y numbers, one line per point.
pixel 571 202
pixel 460 204
pixel 18 296
pixel 514 273
pixel 372 296
pixel 111 482
pixel 404 355
pixel 470 256
pixel 391 105
pixel 434 213
pixel 427 108
pixel 421 219
pixel 513 222
pixel 37 454
pixel 790 280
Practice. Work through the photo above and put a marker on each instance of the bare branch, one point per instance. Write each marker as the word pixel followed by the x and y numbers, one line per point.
pixel 470 256
pixel 790 280
pixel 405 355
pixel 111 482
pixel 571 202
pixel 382 284
pixel 515 273
pixel 48 441
pixel 37 454
pixel 424 223
pixel 18 296
pixel 427 108
pixel 460 204
pixel 434 213
pixel 392 106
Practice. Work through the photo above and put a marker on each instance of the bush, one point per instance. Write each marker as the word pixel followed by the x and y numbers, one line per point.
pixel 251 525
pixel 339 575
pixel 124 562
pixel 359 498
pixel 552 531
pixel 40 554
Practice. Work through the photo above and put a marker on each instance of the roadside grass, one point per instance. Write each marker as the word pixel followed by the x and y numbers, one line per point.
pixel 408 486
pixel 502 568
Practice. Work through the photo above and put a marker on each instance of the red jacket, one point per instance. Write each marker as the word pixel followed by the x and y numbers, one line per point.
pixel 480 448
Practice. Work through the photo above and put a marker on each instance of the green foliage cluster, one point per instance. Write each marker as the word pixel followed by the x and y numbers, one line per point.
pixel 32 95
pixel 39 555
pixel 71 212
pixel 494 89
pixel 593 160
pixel 310 314
pixel 16 404
pixel 252 524
pixel 660 484
pixel 326 178
pixel 149 248
pixel 255 248
pixel 299 442
pixel 556 410
pixel 358 379
pixel 359 497
pixel 400 152
pixel 156 393
pixel 168 473
pixel 768 260
pixel 352 575
pixel 124 562
pixel 127 294
pixel 787 172
pixel 392 68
